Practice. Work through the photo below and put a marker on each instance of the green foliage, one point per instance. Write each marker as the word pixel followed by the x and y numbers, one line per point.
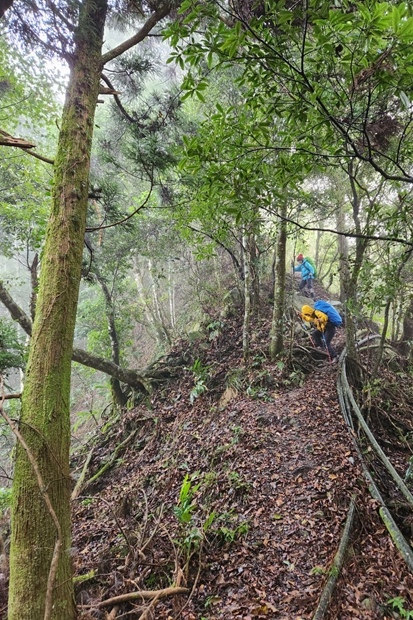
pixel 201 374
pixel 257 392
pixel 294 377
pixel 197 391
pixel 235 378
pixel 318 570
pixel 237 433
pixel 12 352
pixel 186 504
pixel 28 105
pixel 214 329
pixel 229 535
pixel 237 482
pixel 192 532
pixel 5 499
pixel 398 603
pixel 88 501
pixel 229 529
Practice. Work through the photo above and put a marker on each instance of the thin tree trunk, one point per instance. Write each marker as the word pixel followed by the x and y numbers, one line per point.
pixel 152 317
pixel 34 279
pixel 247 298
pixel 171 295
pixel 317 251
pixel 277 324
pixel 407 335
pixel 157 304
pixel 118 394
pixel 254 270
pixel 351 281
pixel 342 246
pixel 45 418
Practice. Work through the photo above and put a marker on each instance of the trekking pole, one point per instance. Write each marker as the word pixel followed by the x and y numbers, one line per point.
pixel 306 330
pixel 325 344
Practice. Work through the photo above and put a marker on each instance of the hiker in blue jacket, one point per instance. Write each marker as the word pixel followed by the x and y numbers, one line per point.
pixel 325 318
pixel 307 274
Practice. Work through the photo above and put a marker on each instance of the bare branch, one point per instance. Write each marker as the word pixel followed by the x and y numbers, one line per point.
pixel 139 36
pixel 7 140
pixel 144 595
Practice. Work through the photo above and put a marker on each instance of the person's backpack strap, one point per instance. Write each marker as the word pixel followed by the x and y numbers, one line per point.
pixel 321 320
pixel 310 268
pixel 312 263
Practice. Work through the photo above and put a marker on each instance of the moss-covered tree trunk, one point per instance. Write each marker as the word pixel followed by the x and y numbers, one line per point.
pixel 45 421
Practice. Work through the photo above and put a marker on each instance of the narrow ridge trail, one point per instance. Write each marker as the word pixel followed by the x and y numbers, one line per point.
pixel 278 477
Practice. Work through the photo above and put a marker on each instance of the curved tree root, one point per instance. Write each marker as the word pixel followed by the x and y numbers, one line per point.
pixel 337 565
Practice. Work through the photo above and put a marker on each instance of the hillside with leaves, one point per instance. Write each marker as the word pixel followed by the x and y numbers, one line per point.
pixel 224 494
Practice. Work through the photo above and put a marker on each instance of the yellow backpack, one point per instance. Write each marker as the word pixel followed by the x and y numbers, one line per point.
pixel 318 318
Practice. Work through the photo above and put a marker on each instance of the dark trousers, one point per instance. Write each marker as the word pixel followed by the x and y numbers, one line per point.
pixel 309 284
pixel 324 340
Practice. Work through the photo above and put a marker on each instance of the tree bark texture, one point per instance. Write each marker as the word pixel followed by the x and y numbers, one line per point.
pixel 407 336
pixel 351 282
pixel 45 420
pixel 247 297
pixel 277 324
pixel 119 396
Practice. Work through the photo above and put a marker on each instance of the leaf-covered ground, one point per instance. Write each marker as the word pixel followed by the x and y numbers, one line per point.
pixel 239 493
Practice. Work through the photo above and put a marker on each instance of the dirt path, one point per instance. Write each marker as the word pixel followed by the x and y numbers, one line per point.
pixel 274 483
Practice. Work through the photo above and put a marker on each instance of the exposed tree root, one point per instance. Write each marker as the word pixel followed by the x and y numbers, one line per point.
pixel 336 566
pixel 108 465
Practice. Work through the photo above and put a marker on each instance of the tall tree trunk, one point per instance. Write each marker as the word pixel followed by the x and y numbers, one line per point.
pixel 120 397
pixel 317 251
pixel 45 419
pixel 171 295
pixel 351 281
pixel 254 271
pixel 157 304
pixel 342 252
pixel 407 335
pixel 34 280
pixel 247 297
pixel 277 325
pixel 152 315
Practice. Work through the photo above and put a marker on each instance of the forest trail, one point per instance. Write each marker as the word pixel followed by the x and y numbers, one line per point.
pixel 269 481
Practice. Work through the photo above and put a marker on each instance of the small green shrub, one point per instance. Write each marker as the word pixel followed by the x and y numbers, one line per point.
pixel 201 375
pixel 398 603
pixel 186 504
pixel 229 535
pixel 5 499
pixel 12 352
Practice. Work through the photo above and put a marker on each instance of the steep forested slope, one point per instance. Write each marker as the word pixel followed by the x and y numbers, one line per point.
pixel 232 483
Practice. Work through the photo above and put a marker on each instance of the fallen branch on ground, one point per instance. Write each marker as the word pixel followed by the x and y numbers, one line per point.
pixel 145 595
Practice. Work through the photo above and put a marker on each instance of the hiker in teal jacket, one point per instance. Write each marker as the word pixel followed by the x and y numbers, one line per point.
pixel 307 274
